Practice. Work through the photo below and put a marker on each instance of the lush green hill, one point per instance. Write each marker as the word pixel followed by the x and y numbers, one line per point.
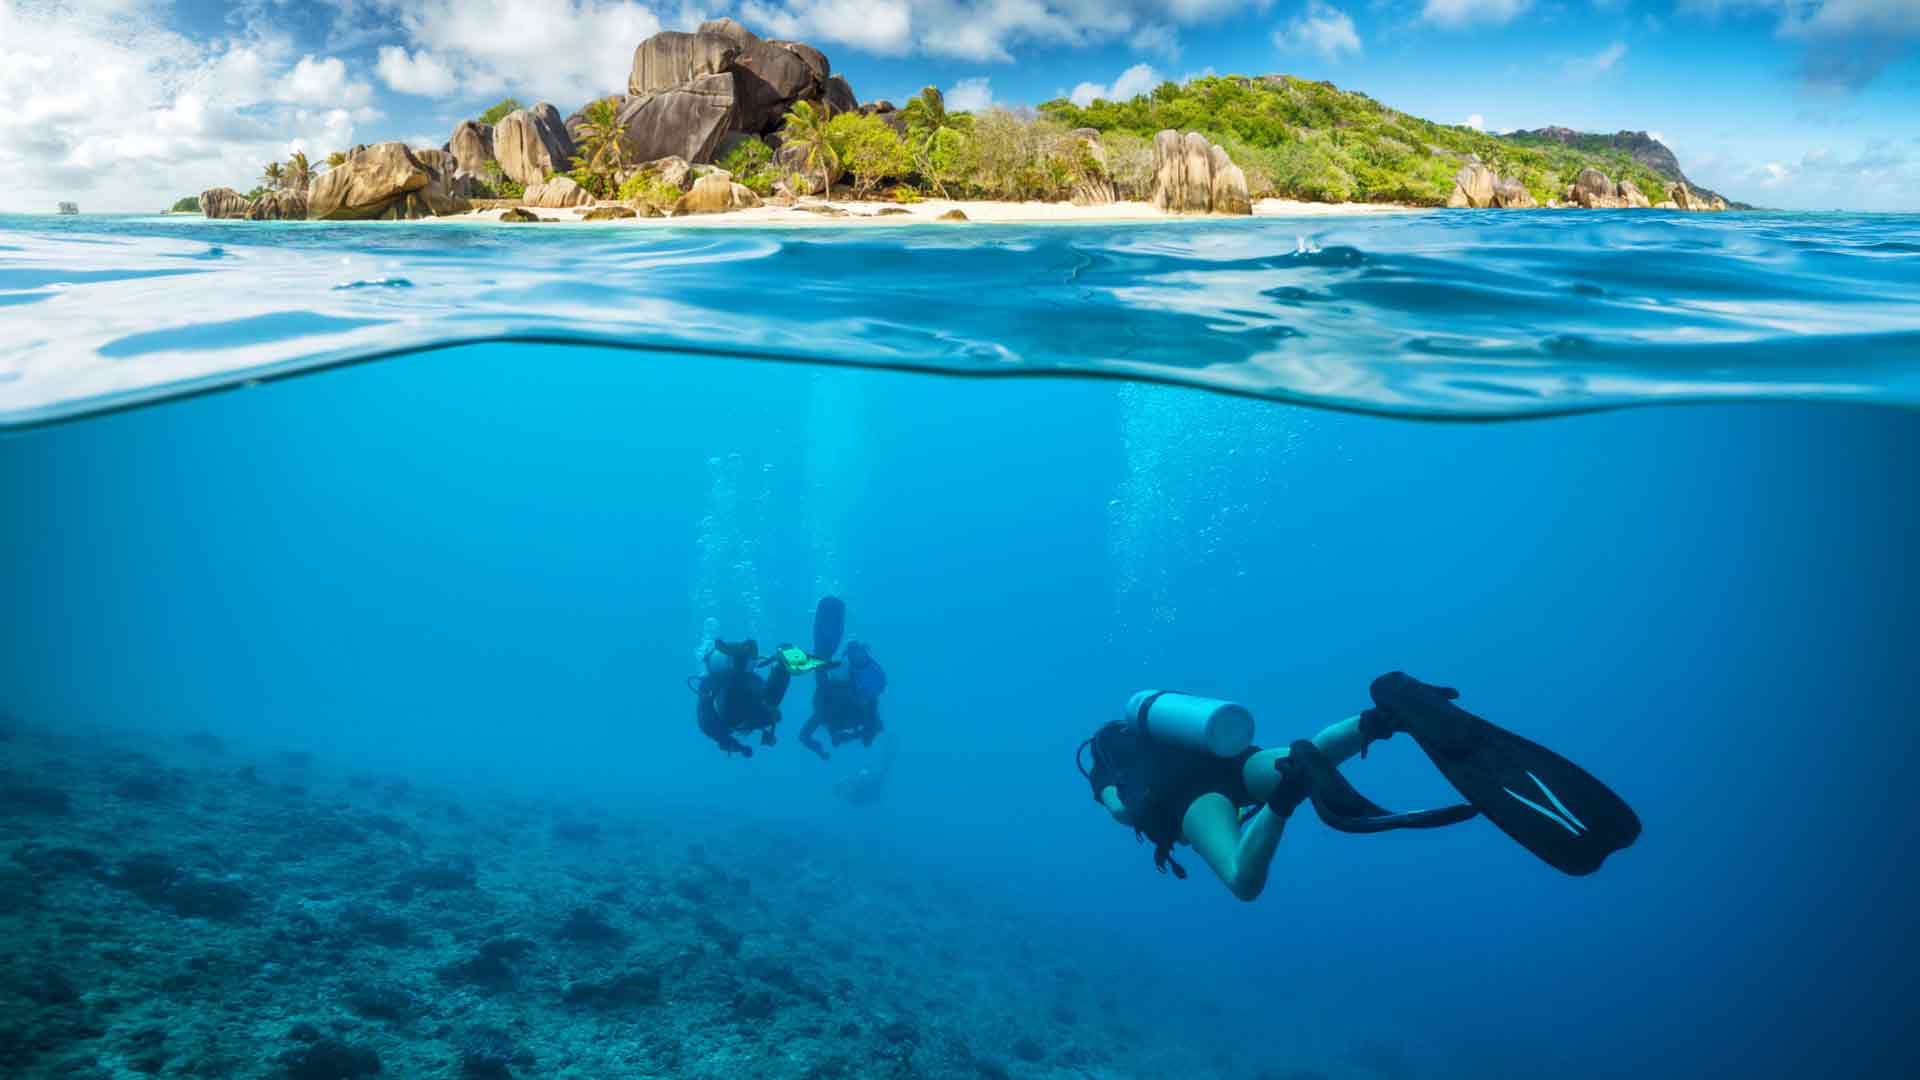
pixel 1313 140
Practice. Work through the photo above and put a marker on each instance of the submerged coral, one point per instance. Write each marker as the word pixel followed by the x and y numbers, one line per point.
pixel 179 910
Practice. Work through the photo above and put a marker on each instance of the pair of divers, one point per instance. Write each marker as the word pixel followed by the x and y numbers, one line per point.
pixel 736 701
pixel 1183 769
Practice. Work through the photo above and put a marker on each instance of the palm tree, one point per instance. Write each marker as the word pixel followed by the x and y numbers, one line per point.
pixel 601 154
pixel 926 116
pixel 273 175
pixel 299 171
pixel 806 128
pixel 336 159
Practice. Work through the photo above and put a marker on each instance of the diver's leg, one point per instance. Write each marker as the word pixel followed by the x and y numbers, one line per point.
pixel 1240 858
pixel 1337 741
pixel 806 735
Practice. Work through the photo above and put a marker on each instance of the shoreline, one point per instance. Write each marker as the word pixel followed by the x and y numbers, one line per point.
pixel 929 211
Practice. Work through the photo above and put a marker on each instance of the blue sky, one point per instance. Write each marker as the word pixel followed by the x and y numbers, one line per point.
pixel 1793 103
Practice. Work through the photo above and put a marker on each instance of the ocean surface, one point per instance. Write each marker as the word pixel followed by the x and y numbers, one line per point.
pixel 347 715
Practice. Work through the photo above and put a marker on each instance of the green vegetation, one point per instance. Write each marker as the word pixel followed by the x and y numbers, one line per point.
pixel 493 182
pixel 188 205
pixel 806 131
pixel 336 159
pixel 869 149
pixel 646 187
pixel 601 155
pixel 1312 140
pixel 272 176
pixel 298 173
pixel 751 164
pixel 505 106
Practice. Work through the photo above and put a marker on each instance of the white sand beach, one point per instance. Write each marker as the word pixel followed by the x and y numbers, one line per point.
pixel 855 212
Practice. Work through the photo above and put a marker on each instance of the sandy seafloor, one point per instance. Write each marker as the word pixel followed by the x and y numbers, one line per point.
pixel 182 907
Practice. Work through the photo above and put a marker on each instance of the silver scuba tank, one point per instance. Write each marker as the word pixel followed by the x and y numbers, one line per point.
pixel 1209 725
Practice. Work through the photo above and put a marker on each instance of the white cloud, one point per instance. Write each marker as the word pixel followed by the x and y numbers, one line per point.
pixel 322 81
pixel 1321 28
pixel 111 108
pixel 567 51
pixel 419 73
pixel 1477 122
pixel 1131 83
pixel 986 30
pixel 1458 13
pixel 1591 67
pixel 970 95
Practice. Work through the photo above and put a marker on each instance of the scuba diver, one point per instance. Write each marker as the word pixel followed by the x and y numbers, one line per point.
pixel 734 700
pixel 1183 769
pixel 865 786
pixel 846 693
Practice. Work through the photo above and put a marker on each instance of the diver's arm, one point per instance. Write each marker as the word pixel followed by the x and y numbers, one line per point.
pixel 1110 798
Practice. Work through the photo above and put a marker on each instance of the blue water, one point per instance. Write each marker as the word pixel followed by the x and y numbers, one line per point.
pixel 487 566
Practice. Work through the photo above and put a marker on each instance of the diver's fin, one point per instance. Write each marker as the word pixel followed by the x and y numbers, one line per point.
pixel 1549 805
pixel 1308 775
pixel 829 623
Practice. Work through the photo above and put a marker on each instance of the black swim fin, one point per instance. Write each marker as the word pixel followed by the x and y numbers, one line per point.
pixel 1306 774
pixel 1549 805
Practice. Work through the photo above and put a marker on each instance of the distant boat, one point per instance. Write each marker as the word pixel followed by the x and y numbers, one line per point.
pixel 69 208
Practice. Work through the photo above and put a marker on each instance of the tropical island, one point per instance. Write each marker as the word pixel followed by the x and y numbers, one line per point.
pixel 722 122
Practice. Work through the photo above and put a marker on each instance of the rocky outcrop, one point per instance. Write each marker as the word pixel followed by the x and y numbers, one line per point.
pixel 672 171
pixel 224 202
pixel 1476 186
pixel 1473 187
pixel 557 193
pixel 1594 190
pixel 471 146
pixel 686 121
pixel 609 213
pixel 1184 177
pixel 672 58
pixel 1095 188
pixel 530 143
pixel 1511 194
pixel 956 214
pixel 839 95
pixel 278 206
pixel 388 181
pixel 1631 192
pixel 770 76
pixel 1683 197
pixel 516 215
pixel 715 193
pixel 1229 183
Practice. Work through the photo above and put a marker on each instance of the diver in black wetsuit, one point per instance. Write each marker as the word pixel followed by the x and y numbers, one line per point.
pixel 1182 769
pixel 735 700
pixel 846 701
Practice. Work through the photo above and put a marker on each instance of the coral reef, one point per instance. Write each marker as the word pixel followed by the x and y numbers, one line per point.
pixel 193 908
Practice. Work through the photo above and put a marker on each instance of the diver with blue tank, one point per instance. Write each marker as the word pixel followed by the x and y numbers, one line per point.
pixel 1183 769
pixel 846 693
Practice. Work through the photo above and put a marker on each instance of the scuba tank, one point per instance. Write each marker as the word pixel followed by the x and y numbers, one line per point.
pixel 1209 725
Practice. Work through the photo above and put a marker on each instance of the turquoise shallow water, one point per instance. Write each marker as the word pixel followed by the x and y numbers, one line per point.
pixel 1454 315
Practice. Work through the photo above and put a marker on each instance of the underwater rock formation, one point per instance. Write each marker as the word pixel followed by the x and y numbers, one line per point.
pixel 206 910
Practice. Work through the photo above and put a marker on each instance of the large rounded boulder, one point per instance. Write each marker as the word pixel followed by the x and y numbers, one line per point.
pixel 1473 187
pixel 224 202
pixel 386 181
pixel 530 143
pixel 686 121
pixel 278 206
pixel 471 146
pixel 670 58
